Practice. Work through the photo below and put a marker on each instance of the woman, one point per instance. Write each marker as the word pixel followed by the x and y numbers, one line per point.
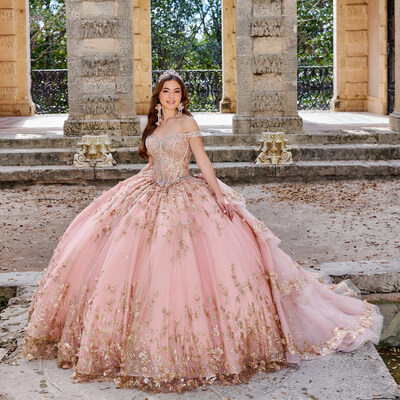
pixel 167 282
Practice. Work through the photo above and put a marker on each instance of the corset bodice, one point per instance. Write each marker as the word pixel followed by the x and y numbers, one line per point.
pixel 171 156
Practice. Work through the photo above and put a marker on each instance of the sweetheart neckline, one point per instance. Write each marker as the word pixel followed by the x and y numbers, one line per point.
pixel 166 137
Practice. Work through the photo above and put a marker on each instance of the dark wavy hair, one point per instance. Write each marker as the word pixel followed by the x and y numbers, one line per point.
pixel 152 114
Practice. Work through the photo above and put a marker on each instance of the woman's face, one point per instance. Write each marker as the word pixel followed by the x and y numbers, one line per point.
pixel 170 95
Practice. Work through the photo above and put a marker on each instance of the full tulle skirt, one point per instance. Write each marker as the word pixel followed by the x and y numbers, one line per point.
pixel 155 287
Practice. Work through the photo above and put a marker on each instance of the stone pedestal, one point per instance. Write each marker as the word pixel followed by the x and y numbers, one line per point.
pixel 100 68
pixel 15 83
pixel 266 67
pixel 394 118
pixel 228 102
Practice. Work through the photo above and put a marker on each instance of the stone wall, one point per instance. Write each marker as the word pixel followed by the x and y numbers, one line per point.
pixel 100 68
pixel 266 66
pixel 15 98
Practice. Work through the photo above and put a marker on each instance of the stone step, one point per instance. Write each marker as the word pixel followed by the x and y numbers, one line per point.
pixel 370 276
pixel 377 281
pixel 353 151
pixel 212 138
pixel 124 155
pixel 344 136
pixel 209 139
pixel 229 172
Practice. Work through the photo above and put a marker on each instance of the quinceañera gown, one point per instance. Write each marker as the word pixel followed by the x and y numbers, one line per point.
pixel 154 287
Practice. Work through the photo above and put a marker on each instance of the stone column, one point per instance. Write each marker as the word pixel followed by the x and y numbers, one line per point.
pixel 228 103
pixel 394 118
pixel 100 68
pixel 266 66
pixel 377 57
pixel 142 52
pixel 15 80
pixel 351 55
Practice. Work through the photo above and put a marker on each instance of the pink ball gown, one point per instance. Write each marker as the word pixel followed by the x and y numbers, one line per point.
pixel 154 287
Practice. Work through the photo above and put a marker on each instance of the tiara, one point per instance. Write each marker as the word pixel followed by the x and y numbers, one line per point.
pixel 169 72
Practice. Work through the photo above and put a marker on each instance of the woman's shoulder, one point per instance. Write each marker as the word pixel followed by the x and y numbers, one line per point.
pixel 189 124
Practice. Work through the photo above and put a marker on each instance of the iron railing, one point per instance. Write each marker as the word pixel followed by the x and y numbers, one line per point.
pixel 50 90
pixel 314 87
pixel 204 87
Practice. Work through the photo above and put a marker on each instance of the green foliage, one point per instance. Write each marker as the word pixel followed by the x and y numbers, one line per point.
pixel 315 32
pixel 186 34
pixel 47 34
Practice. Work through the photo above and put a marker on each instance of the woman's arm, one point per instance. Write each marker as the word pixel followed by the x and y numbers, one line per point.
pixel 148 165
pixel 208 173
pixel 207 169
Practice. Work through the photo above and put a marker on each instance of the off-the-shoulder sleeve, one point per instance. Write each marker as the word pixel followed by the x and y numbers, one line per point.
pixel 193 134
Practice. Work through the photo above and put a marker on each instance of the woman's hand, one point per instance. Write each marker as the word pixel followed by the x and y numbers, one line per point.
pixel 225 206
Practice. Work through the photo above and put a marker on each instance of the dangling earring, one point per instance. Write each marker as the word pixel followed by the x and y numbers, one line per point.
pixel 158 108
pixel 180 108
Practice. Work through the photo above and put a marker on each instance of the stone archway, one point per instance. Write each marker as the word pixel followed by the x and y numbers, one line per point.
pixel 360 54
pixel 143 62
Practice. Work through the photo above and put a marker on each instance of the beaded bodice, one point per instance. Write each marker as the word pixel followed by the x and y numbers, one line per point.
pixel 171 156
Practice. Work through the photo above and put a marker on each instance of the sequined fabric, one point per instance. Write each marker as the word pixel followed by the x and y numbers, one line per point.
pixel 171 156
pixel 154 287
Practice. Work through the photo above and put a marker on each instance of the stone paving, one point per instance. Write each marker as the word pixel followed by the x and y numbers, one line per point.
pixel 358 375
pixel 51 125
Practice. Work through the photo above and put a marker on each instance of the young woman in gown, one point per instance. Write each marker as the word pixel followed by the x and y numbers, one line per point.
pixel 166 281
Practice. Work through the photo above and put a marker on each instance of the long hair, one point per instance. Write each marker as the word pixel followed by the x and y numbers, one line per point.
pixel 152 114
